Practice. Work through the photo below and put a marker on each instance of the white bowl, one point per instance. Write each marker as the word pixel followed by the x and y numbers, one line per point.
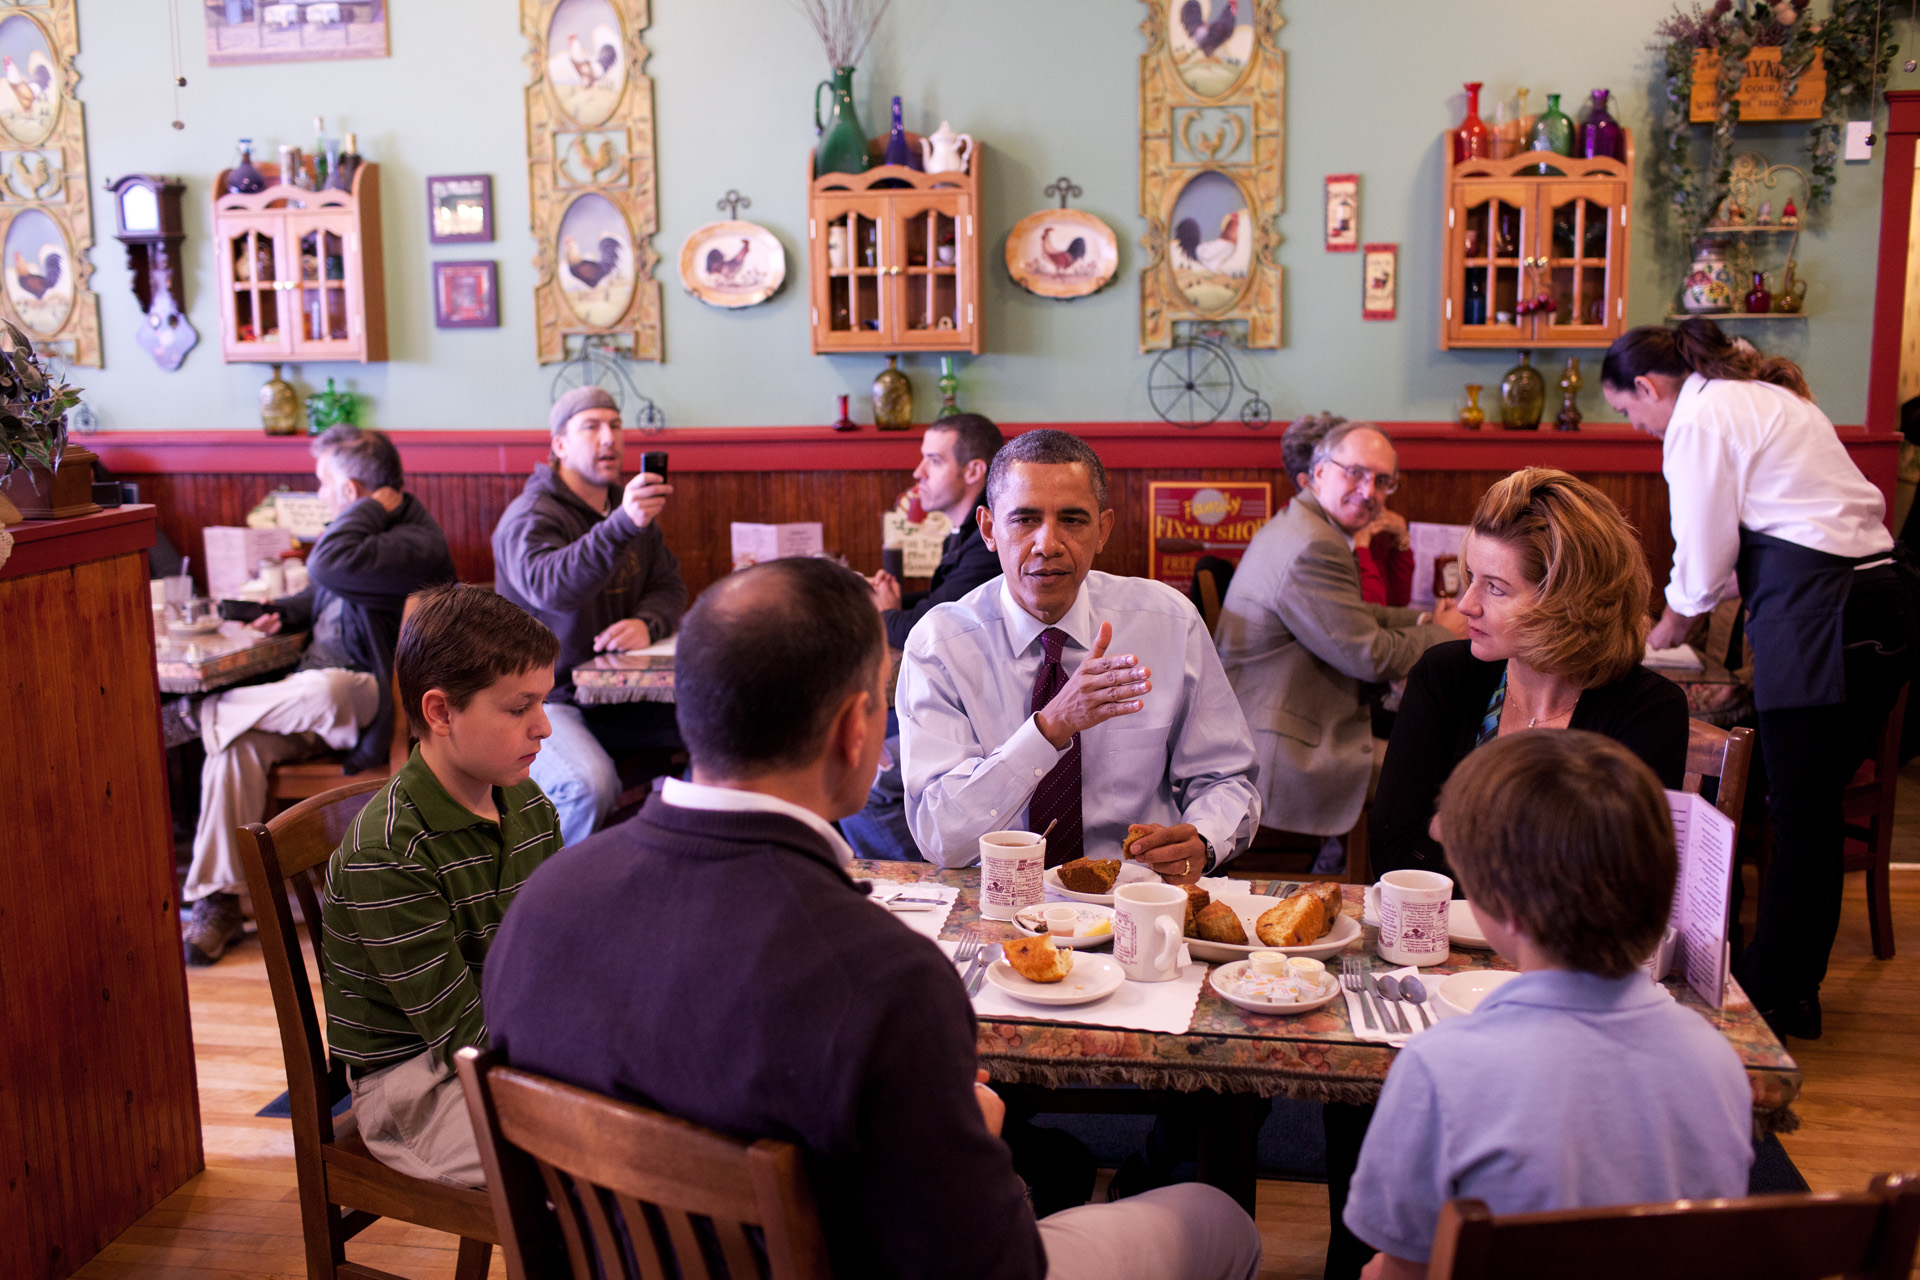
pixel 1461 993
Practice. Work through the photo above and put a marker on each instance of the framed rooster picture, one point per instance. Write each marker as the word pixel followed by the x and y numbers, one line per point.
pixel 590 165
pixel 732 264
pixel 46 209
pixel 1212 138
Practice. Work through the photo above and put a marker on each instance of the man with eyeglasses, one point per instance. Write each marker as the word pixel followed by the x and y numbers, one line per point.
pixel 585 556
pixel 1305 653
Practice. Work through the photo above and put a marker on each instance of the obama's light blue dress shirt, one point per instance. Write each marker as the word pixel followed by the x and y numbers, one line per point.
pixel 971 753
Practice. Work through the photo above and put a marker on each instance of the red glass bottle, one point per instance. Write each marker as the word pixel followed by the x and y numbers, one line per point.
pixel 1759 301
pixel 843 422
pixel 1472 138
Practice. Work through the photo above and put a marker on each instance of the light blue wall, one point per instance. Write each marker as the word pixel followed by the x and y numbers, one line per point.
pixel 1047 87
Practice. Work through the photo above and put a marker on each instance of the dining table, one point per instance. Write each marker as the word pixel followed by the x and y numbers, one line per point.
pixel 1235 1060
pixel 646 675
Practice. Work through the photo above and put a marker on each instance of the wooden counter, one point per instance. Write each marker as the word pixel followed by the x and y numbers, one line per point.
pixel 99 1112
pixel 722 474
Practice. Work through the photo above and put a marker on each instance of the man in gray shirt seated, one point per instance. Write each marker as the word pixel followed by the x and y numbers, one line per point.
pixel 587 558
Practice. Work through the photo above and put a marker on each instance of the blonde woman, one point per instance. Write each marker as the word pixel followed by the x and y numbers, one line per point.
pixel 1556 596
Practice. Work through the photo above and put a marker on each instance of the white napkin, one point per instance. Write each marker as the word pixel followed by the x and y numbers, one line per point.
pixel 927 921
pixel 1165 1007
pixel 1357 1001
pixel 1681 657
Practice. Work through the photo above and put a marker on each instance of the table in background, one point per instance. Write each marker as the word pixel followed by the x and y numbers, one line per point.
pixel 1237 1054
pixel 218 661
pixel 646 675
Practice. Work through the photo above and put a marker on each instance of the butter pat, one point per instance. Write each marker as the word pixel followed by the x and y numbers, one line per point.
pixel 1271 963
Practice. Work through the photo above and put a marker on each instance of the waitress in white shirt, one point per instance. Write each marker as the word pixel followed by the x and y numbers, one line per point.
pixel 1760 487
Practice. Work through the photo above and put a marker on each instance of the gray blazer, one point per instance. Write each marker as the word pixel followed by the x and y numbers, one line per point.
pixel 1298 643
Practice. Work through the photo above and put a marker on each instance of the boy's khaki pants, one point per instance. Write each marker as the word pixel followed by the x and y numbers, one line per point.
pixel 413 1118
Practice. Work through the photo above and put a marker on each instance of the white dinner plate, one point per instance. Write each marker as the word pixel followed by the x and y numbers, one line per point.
pixel 1091 914
pixel 1093 977
pixel 1074 895
pixel 1462 929
pixel 1249 907
pixel 1458 994
pixel 1222 980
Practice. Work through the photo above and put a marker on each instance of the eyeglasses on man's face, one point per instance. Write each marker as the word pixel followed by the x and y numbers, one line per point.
pixel 1383 482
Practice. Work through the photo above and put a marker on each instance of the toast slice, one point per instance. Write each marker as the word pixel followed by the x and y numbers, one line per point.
pixel 1090 875
pixel 1294 922
pixel 1330 897
pixel 1197 900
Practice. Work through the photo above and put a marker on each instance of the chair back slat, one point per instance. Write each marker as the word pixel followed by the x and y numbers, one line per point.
pixel 272 854
pixel 537 1136
pixel 1796 1237
pixel 1722 754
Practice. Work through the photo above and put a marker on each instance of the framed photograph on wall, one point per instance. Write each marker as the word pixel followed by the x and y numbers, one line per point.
pixel 1382 267
pixel 460 208
pixel 1343 212
pixel 240 32
pixel 466 295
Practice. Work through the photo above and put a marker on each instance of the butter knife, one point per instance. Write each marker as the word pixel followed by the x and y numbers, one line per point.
pixel 978 974
pixel 1387 1022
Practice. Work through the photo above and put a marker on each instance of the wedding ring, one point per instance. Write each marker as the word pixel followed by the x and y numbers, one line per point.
pixel 1186 868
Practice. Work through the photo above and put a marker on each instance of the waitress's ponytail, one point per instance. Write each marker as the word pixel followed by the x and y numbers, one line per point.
pixel 1699 346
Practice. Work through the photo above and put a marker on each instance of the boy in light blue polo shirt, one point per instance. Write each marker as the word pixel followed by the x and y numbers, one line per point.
pixel 1579 1083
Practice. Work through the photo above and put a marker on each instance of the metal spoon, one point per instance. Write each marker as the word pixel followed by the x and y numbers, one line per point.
pixel 1415 991
pixel 1390 988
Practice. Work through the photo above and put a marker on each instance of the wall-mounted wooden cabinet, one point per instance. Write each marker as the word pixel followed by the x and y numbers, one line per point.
pixel 894 260
pixel 300 271
pixel 1532 258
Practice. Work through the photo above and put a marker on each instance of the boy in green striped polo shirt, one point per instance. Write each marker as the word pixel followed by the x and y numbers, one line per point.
pixel 417 889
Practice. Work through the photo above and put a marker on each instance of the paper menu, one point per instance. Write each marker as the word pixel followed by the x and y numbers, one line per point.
pixel 1703 836
pixel 1428 541
pixel 234 553
pixel 759 543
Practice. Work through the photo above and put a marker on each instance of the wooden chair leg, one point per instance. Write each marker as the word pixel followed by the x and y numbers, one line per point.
pixel 1879 890
pixel 476 1259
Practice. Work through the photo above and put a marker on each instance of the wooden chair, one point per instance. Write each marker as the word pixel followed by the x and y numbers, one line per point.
pixel 1868 806
pixel 1209 589
pixel 1794 1237
pixel 560 1161
pixel 303 779
pixel 343 1188
pixel 1723 754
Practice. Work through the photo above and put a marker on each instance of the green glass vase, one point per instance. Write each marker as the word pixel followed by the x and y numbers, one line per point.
pixel 843 143
pixel 1523 395
pixel 1552 131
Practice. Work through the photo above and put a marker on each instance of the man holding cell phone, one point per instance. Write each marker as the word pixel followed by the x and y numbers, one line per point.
pixel 585 555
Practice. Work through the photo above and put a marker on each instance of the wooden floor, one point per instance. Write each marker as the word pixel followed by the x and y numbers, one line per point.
pixel 1860 1111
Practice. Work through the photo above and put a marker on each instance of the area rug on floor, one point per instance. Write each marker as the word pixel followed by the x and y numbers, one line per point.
pixel 1293 1148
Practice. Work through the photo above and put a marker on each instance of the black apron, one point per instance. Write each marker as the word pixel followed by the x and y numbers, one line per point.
pixel 1796 603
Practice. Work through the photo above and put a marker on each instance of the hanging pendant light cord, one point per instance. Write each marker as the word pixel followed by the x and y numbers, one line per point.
pixel 179 81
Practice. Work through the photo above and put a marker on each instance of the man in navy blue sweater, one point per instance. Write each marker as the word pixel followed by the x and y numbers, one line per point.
pixel 712 958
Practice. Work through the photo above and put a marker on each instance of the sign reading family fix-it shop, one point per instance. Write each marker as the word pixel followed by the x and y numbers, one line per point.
pixel 1195 518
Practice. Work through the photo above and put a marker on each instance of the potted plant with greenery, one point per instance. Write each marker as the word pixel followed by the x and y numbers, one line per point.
pixel 33 438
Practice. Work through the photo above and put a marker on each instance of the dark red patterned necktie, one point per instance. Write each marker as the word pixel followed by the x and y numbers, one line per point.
pixel 1058 795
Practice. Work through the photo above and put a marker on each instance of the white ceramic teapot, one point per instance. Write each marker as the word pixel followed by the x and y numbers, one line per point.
pixel 946 151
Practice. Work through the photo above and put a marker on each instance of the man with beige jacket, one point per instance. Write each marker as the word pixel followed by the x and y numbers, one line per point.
pixel 1301 647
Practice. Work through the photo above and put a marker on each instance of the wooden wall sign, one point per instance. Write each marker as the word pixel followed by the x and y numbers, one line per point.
pixel 1760 94
pixel 1211 140
pixel 590 165
pixel 46 211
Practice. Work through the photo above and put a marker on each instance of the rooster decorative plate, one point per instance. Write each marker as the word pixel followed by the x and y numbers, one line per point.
pixel 1062 253
pixel 732 264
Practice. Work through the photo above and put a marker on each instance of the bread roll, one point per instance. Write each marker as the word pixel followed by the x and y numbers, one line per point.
pixel 1197 899
pixel 1037 959
pixel 1294 922
pixel 1330 897
pixel 1219 923
pixel 1090 875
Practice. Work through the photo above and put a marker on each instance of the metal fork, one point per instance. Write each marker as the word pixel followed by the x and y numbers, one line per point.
pixel 968 954
pixel 1350 979
pixel 987 955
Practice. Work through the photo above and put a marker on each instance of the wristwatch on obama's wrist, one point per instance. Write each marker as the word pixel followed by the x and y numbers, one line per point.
pixel 1213 859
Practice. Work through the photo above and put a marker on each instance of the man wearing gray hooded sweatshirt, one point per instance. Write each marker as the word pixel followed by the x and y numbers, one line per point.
pixel 587 558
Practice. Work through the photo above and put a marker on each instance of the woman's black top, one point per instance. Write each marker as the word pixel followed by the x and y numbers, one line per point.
pixel 1439 723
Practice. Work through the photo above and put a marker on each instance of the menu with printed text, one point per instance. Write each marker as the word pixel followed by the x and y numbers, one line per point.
pixel 1703 837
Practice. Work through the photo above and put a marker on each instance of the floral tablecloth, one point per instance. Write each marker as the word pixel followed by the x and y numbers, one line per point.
pixel 1313 1056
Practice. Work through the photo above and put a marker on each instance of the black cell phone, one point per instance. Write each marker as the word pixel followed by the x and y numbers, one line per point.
pixel 654 460
pixel 242 610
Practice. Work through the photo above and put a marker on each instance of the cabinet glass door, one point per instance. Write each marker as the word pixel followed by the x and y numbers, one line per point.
pixel 855 305
pixel 1580 238
pixel 255 282
pixel 322 323
pixel 931 303
pixel 1492 233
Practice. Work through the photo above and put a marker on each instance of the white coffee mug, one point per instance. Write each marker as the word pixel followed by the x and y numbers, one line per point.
pixel 1013 867
pixel 1146 930
pixel 1412 909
